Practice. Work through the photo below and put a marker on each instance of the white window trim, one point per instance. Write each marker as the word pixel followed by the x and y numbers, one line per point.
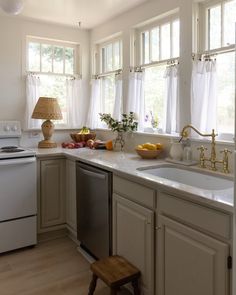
pixel 204 41
pixel 100 46
pixel 75 46
pixel 139 44
pixel 204 44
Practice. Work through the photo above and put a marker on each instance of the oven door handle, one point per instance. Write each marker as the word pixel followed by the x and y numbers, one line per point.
pixel 18 161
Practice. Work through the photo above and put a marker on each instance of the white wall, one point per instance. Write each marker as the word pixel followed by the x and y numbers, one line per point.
pixel 13 32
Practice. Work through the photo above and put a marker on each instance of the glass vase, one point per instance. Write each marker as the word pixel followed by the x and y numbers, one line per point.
pixel 119 141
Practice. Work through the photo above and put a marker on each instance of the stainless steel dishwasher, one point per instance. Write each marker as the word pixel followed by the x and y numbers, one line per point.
pixel 93 189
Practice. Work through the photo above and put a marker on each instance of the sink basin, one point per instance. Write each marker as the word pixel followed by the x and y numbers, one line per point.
pixel 189 177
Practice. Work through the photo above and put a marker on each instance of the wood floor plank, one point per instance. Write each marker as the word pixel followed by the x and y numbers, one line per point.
pixel 52 267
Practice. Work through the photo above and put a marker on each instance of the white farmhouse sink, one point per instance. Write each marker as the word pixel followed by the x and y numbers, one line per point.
pixel 189 177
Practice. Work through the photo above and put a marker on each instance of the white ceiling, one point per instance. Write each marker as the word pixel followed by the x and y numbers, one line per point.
pixel 69 12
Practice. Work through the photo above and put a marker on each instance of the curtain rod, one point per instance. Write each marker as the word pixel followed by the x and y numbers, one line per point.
pixel 98 76
pixel 214 52
pixel 168 62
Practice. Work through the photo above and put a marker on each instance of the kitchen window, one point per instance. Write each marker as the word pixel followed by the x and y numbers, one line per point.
pixel 158 53
pixel 218 40
pixel 55 65
pixel 110 66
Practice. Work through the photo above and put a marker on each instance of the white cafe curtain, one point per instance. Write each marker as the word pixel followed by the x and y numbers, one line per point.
pixel 118 104
pixel 203 95
pixel 76 105
pixel 93 119
pixel 32 95
pixel 171 109
pixel 135 101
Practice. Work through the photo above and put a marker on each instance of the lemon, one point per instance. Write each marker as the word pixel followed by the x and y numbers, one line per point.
pixel 150 146
pixel 139 147
pixel 159 146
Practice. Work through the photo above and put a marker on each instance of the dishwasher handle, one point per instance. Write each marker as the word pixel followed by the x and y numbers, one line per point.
pixel 93 174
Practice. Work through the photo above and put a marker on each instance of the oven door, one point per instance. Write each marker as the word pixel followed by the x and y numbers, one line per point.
pixel 17 188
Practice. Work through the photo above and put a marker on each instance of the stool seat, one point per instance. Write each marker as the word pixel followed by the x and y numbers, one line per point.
pixel 115 271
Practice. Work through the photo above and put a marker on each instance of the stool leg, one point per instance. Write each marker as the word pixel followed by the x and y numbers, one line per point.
pixel 92 285
pixel 136 287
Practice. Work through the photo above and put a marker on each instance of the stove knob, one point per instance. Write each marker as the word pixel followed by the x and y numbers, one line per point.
pixel 14 128
pixel 7 128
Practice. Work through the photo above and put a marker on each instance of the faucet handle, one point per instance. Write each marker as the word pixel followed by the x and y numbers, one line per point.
pixel 202 149
pixel 226 151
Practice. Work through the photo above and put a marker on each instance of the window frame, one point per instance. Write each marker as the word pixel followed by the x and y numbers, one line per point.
pixel 204 40
pixel 64 44
pixel 101 47
pixel 149 27
pixel 204 43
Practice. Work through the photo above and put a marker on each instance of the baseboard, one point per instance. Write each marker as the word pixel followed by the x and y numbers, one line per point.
pixel 52 235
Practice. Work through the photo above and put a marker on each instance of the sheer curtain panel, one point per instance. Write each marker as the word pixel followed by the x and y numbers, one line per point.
pixel 203 95
pixel 171 115
pixel 135 101
pixel 93 120
pixel 76 106
pixel 118 105
pixel 32 95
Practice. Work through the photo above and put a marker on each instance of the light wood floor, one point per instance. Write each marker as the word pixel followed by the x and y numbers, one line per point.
pixel 52 267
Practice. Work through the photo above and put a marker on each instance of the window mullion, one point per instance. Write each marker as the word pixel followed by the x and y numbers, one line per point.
pixel 222 23
pixel 53 59
pixel 40 54
pixel 150 46
pixel 171 39
pixel 64 58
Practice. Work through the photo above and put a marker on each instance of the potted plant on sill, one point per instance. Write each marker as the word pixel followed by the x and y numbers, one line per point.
pixel 127 124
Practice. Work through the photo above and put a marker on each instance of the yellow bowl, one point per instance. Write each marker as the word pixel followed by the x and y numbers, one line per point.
pixel 148 154
pixel 78 137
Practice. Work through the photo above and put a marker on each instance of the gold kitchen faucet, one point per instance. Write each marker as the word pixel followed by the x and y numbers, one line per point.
pixel 213 160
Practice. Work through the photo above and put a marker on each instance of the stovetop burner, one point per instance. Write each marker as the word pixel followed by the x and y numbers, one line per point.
pixel 11 149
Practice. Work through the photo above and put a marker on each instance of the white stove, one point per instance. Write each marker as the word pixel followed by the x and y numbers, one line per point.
pixel 10 134
pixel 18 196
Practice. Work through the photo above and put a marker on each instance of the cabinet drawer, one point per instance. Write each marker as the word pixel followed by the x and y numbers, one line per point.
pixel 134 191
pixel 208 219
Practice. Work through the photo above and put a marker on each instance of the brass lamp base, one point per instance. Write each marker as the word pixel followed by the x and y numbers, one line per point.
pixel 47 129
pixel 47 144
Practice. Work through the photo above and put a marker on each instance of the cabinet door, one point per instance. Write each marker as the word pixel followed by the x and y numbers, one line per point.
pixel 71 196
pixel 189 262
pixel 133 237
pixel 52 192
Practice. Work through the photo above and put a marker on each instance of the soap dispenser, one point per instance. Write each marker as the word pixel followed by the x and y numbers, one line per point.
pixel 187 154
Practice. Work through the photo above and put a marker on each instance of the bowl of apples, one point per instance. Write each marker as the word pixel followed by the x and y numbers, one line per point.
pixel 149 150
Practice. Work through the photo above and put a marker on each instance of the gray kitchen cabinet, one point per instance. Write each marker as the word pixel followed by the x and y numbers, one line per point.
pixel 189 262
pixel 52 194
pixel 71 219
pixel 133 238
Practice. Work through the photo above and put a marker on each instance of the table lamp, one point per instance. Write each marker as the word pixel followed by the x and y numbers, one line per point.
pixel 49 109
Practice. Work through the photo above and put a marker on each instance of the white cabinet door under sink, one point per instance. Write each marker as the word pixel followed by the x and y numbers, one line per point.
pixel 189 262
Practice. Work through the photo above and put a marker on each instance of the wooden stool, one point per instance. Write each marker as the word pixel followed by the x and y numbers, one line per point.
pixel 115 271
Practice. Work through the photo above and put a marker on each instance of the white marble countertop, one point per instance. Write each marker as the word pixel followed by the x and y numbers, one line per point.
pixel 126 164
